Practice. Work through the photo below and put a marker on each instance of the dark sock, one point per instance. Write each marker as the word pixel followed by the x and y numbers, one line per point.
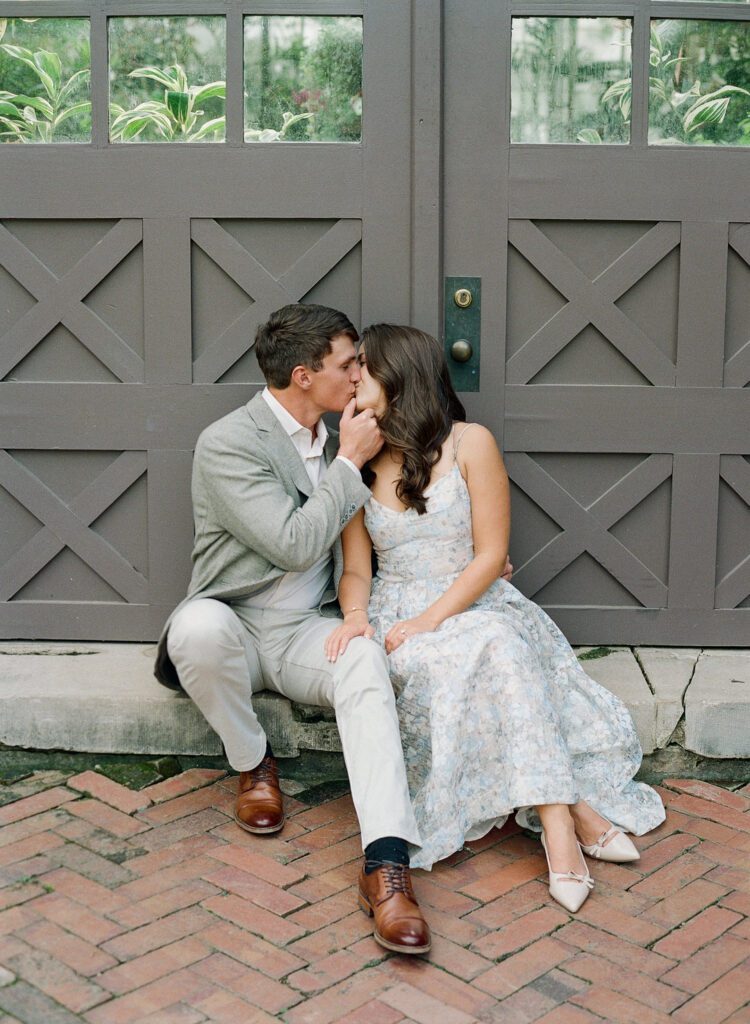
pixel 269 752
pixel 389 848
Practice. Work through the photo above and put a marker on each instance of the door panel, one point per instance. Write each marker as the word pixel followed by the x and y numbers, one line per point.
pixel 615 363
pixel 132 280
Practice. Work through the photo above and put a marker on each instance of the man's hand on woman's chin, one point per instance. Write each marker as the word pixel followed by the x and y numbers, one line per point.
pixel 359 435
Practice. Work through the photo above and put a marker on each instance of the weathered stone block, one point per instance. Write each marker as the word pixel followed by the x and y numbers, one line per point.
pixel 621 674
pixel 717 705
pixel 668 671
pixel 95 697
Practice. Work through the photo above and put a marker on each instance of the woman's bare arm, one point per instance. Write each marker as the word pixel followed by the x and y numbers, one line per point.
pixel 354 587
pixel 484 472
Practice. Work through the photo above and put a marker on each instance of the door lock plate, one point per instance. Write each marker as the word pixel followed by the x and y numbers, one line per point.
pixel 463 305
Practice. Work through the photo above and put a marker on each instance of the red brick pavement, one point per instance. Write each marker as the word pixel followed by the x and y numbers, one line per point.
pixel 119 907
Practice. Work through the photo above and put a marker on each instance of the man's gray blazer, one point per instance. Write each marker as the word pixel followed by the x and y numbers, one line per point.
pixel 256 513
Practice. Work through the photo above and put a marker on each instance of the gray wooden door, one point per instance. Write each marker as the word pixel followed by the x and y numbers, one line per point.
pixel 132 278
pixel 615 341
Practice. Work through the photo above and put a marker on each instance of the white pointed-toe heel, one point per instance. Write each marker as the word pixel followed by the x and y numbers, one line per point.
pixel 614 846
pixel 569 888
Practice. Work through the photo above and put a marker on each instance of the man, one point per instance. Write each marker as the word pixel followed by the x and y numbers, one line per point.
pixel 271 494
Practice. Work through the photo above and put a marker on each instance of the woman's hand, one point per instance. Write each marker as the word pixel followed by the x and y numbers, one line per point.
pixel 405 629
pixel 355 624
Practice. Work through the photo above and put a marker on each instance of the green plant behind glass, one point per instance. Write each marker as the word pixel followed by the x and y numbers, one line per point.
pixel 177 116
pixel 317 82
pixel 40 102
pixel 691 111
pixel 335 65
pixel 558 71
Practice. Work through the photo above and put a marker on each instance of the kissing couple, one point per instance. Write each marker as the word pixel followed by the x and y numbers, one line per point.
pixel 458 701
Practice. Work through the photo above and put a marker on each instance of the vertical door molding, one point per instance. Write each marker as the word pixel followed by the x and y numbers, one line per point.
pixel 702 303
pixel 693 531
pixel 476 162
pixel 427 169
pixel 386 143
pixel 167 300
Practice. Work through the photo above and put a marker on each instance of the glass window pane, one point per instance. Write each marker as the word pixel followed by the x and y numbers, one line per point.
pixel 303 79
pixel 700 83
pixel 45 89
pixel 563 73
pixel 167 79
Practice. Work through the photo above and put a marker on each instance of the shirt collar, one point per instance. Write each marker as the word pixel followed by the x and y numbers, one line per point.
pixel 295 429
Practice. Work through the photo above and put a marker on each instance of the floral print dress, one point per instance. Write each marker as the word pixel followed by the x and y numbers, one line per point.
pixel 496 713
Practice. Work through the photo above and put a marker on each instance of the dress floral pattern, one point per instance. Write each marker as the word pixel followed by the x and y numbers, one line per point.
pixel 496 713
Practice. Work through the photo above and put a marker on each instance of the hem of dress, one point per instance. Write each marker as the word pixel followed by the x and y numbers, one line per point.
pixel 519 813
pixel 461 834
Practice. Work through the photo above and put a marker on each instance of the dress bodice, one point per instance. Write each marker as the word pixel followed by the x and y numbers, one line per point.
pixel 438 543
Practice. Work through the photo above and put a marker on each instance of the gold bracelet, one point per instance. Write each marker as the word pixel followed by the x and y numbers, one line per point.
pixel 355 608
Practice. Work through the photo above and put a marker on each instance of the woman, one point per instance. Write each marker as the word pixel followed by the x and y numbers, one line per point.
pixel 496 713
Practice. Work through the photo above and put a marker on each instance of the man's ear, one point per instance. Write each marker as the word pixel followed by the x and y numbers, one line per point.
pixel 302 377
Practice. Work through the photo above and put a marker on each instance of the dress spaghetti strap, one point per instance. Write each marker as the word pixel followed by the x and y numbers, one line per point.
pixel 457 440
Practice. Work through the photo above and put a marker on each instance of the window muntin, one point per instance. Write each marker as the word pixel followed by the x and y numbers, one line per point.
pixel 45 80
pixel 303 78
pixel 561 72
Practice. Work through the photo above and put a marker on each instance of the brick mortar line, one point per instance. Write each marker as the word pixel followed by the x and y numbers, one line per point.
pixel 687 921
pixel 681 924
pixel 631 995
pixel 506 956
pixel 226 920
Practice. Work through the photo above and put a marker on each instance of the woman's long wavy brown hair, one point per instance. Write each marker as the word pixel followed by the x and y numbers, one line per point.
pixel 422 404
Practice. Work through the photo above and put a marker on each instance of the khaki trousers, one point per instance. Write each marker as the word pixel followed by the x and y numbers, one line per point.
pixel 224 653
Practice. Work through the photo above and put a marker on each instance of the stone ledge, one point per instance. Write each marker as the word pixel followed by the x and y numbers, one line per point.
pixel 717 705
pixel 102 698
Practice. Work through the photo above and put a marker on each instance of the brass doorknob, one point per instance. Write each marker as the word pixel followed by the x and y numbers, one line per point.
pixel 461 351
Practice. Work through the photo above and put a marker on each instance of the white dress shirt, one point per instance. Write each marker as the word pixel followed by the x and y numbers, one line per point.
pixel 296 591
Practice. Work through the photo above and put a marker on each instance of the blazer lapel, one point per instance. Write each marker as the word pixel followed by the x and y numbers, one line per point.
pixel 279 445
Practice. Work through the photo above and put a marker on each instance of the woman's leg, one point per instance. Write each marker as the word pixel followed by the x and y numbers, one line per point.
pixel 569 880
pixel 589 826
pixel 599 838
pixel 560 833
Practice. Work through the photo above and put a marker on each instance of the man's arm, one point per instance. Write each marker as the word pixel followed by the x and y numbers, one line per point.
pixel 250 502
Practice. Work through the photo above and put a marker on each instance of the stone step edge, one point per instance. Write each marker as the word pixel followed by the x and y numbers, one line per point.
pixel 103 698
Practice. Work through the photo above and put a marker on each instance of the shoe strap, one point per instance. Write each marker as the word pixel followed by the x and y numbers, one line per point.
pixel 606 836
pixel 574 876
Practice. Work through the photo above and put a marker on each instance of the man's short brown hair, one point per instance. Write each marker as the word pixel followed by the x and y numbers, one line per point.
pixel 298 335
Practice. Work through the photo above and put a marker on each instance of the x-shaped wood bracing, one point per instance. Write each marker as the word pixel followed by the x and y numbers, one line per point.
pixel 591 302
pixel 268 292
pixel 737 369
pixel 586 528
pixel 67 525
pixel 60 301
pixel 735 586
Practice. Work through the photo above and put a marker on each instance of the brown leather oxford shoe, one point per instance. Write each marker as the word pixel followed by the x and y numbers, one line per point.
pixel 387 895
pixel 259 806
